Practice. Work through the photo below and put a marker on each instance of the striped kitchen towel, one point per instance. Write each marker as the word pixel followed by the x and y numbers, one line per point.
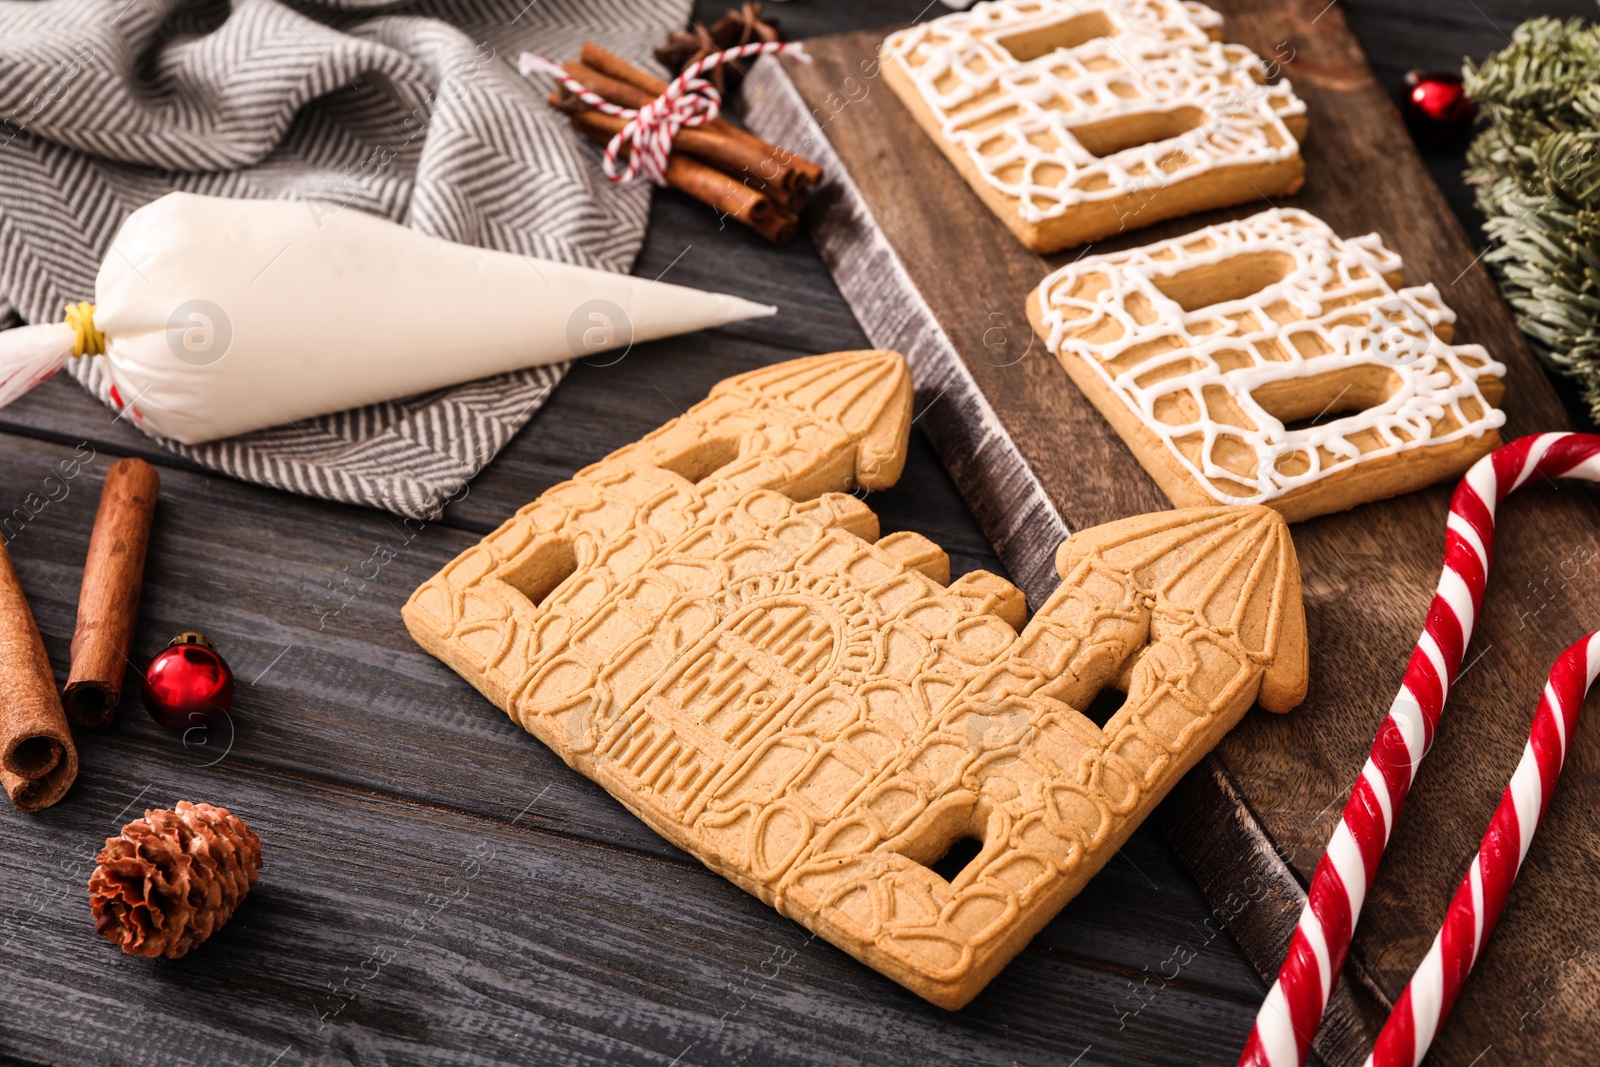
pixel 414 112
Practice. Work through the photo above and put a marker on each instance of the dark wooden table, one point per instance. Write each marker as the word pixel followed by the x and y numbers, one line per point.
pixel 439 888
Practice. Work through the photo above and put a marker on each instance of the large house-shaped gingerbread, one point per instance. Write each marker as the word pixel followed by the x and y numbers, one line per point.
pixel 707 625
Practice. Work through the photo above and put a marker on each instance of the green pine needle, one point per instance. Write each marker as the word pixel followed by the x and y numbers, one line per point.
pixel 1536 169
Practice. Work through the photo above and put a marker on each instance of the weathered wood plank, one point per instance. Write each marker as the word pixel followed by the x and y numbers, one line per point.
pixel 329 683
pixel 687 244
pixel 390 932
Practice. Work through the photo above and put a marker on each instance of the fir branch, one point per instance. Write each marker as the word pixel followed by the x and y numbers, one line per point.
pixel 1536 169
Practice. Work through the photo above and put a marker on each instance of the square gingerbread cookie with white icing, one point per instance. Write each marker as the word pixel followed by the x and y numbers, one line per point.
pixel 1075 119
pixel 1269 361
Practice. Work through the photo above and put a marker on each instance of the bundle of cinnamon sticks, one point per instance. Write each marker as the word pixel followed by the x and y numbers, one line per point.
pixel 757 183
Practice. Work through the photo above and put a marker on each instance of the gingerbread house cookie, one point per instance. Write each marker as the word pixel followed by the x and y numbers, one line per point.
pixel 1269 361
pixel 708 626
pixel 1078 119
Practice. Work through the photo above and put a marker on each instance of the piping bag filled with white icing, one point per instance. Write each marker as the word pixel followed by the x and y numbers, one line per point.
pixel 216 317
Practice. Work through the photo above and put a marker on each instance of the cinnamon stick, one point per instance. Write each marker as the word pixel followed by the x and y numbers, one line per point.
pixel 799 173
pixel 730 155
pixel 37 759
pixel 620 93
pixel 615 69
pixel 705 183
pixel 794 173
pixel 108 605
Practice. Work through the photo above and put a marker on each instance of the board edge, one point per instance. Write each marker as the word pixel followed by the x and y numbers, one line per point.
pixel 963 427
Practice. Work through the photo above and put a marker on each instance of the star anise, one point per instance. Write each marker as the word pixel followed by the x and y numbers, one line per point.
pixel 741 25
pixel 744 25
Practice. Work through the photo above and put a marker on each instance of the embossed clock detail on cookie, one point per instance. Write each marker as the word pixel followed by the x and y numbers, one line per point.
pixel 1078 119
pixel 1269 361
pixel 707 624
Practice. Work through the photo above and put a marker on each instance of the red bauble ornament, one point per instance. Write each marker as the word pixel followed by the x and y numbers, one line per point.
pixel 1435 105
pixel 188 684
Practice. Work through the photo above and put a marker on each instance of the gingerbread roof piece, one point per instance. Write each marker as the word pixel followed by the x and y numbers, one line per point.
pixel 707 625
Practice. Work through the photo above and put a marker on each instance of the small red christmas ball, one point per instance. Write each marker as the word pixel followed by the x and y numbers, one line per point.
pixel 188 684
pixel 1435 106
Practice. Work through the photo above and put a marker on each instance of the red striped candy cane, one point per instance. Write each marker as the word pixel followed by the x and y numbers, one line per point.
pixel 1293 1009
pixel 690 100
pixel 1475 908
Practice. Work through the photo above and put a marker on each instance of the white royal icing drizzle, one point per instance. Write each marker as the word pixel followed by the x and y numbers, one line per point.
pixel 1332 282
pixel 1157 58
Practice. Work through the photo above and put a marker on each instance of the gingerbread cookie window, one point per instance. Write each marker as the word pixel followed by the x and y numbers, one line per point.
pixel 1268 361
pixel 1074 121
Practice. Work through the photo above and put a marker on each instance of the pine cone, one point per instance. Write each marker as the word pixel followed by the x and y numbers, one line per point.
pixel 172 878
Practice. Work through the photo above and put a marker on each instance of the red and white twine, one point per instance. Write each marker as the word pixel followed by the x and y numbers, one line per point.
pixel 689 100
pixel 1293 1009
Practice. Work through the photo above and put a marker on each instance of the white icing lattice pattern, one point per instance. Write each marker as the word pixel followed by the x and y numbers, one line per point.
pixel 1146 65
pixel 1329 324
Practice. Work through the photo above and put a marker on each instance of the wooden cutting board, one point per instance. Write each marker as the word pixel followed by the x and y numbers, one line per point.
pixel 930 272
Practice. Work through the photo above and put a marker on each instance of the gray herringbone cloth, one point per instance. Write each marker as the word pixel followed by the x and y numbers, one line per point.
pixel 412 111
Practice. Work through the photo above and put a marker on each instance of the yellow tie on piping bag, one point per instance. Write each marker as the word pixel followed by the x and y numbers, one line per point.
pixel 216 317
pixel 87 341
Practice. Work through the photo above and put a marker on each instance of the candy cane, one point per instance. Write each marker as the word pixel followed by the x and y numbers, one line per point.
pixel 689 100
pixel 1293 1009
pixel 1475 908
